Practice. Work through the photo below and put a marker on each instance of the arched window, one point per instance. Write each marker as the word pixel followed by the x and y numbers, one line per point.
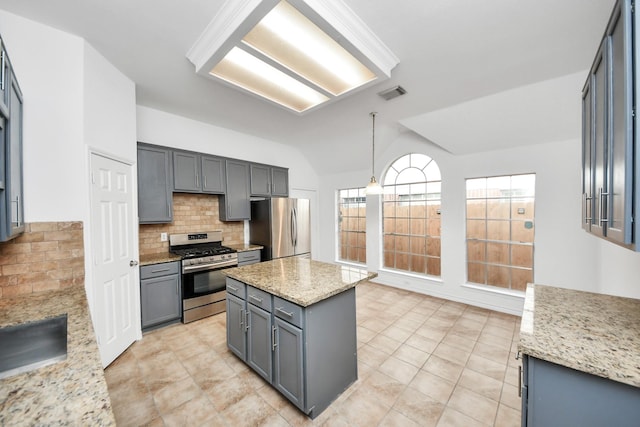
pixel 411 214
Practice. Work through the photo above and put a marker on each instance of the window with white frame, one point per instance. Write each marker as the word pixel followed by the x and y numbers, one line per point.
pixel 500 230
pixel 352 225
pixel 411 215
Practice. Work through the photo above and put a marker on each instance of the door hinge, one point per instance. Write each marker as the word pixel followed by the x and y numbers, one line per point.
pixel 93 178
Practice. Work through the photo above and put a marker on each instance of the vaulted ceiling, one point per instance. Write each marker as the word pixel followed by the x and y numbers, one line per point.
pixel 453 54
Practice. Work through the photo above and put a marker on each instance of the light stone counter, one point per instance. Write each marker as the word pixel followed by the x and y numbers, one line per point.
pixel 299 279
pixel 245 247
pixel 593 333
pixel 69 392
pixel 158 258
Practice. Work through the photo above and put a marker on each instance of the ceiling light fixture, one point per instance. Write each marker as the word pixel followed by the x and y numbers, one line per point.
pixel 373 187
pixel 299 54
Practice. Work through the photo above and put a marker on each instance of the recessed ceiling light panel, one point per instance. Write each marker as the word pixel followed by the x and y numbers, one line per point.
pixel 287 51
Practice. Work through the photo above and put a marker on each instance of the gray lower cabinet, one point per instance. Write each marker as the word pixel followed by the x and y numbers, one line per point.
pixel 309 354
pixel 235 204
pixel 160 294
pixel 554 395
pixel 288 362
pixel 248 257
pixel 155 202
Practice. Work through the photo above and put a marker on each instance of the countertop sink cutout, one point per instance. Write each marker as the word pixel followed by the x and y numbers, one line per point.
pixel 32 345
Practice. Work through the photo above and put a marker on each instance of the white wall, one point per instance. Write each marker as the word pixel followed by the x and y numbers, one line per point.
pixel 109 107
pixel 49 67
pixel 74 101
pixel 565 256
pixel 161 128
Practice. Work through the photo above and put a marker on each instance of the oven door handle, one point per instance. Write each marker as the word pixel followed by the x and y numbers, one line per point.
pixel 212 266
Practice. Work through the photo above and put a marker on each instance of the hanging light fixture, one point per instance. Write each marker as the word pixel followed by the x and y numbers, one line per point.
pixel 373 187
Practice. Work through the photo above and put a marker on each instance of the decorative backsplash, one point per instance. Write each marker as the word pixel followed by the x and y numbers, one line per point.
pixel 47 256
pixel 191 212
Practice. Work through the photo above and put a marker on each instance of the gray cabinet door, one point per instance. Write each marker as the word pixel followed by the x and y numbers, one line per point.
pixel 14 178
pixel 560 396
pixel 599 144
pixel 288 376
pixel 279 182
pixel 235 205
pixel 212 175
pixel 5 72
pixel 260 180
pixel 236 330
pixel 587 158
pixel 259 341
pixel 154 185
pixel 620 126
pixel 186 172
pixel 160 300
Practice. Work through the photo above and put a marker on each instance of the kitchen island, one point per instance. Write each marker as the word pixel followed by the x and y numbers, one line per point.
pixel 293 320
pixel 580 358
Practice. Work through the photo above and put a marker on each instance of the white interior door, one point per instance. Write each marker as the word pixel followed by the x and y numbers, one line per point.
pixel 115 304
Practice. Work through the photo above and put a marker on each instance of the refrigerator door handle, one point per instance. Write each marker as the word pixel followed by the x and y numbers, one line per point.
pixel 295 218
pixel 292 227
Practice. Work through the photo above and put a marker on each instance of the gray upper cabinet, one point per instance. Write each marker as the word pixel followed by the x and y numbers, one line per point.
pixel 196 173
pixel 235 204
pixel 186 172
pixel 5 72
pixel 11 186
pixel 155 203
pixel 608 135
pixel 213 174
pixel 260 180
pixel 267 181
pixel 279 182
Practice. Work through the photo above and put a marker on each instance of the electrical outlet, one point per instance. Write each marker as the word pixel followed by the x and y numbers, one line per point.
pixel 163 237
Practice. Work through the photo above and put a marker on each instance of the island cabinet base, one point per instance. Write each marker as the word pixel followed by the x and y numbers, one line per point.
pixel 309 353
pixel 554 395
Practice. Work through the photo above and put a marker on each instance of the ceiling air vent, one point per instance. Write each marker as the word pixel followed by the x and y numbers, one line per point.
pixel 392 93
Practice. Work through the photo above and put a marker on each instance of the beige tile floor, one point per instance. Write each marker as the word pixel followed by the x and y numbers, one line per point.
pixel 422 361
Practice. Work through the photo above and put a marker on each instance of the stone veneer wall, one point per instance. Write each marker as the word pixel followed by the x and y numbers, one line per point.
pixel 191 213
pixel 47 256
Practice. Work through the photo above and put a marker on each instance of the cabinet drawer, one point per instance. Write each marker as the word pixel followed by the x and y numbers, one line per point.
pixel 236 288
pixel 248 257
pixel 259 298
pixel 288 311
pixel 158 270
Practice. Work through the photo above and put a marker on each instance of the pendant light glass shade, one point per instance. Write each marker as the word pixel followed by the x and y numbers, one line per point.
pixel 373 187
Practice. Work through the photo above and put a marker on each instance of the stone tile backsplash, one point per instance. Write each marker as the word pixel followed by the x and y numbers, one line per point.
pixel 47 256
pixel 191 212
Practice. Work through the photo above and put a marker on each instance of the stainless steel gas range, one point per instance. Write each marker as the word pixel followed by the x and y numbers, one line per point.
pixel 203 284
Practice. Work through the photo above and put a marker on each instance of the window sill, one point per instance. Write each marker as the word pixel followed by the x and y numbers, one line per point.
pixel 494 290
pixel 435 279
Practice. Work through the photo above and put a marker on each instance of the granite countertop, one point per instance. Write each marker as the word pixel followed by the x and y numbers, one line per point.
pixel 244 247
pixel 69 392
pixel 299 279
pixel 593 333
pixel 158 258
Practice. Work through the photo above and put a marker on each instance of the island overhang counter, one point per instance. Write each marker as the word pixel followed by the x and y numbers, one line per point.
pixel 293 321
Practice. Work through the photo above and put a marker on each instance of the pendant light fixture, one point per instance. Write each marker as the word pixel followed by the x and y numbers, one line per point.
pixel 373 187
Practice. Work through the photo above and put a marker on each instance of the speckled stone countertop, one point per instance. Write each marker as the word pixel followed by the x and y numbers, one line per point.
pixel 158 258
pixel 245 247
pixel 593 333
pixel 69 392
pixel 299 279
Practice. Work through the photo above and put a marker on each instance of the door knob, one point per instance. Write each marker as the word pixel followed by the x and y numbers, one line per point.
pixel 133 263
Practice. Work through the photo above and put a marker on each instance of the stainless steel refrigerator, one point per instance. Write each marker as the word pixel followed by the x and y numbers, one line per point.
pixel 281 225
